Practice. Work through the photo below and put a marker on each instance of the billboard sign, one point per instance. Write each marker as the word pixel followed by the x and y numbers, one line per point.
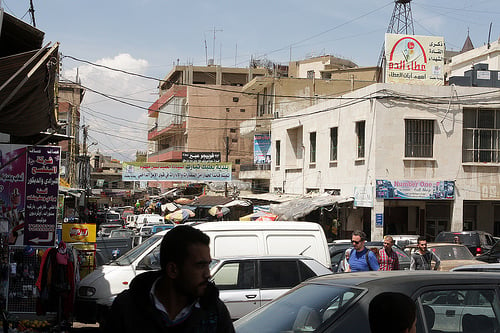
pixel 29 188
pixel 415 189
pixel 262 149
pixel 200 156
pixel 414 59
pixel 363 196
pixel 158 171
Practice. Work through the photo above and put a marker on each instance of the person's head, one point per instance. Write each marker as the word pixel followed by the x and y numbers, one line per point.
pixel 422 243
pixel 185 259
pixel 392 312
pixel 388 242
pixel 456 239
pixel 358 240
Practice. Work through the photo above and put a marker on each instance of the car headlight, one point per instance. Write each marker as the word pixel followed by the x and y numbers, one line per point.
pixel 86 291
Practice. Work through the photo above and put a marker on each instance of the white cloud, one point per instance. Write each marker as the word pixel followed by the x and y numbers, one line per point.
pixel 118 128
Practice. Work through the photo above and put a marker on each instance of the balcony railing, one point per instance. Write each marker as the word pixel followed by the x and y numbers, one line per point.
pixel 255 167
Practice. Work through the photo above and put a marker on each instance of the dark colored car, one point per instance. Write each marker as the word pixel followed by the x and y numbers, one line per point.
pixel 492 255
pixel 477 241
pixel 459 302
pixel 337 254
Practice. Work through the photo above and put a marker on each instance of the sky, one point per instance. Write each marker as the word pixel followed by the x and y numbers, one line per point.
pixel 148 37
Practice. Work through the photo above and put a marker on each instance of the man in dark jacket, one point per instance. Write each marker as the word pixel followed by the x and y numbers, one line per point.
pixel 422 258
pixel 179 297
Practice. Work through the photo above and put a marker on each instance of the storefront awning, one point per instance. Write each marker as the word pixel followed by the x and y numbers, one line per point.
pixel 295 209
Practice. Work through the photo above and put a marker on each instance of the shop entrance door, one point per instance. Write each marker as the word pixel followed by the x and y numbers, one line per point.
pixel 434 227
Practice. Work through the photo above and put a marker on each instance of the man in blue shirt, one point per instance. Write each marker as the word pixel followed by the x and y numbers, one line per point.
pixel 360 257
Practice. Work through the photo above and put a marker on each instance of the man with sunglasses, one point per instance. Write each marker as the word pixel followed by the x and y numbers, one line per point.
pixel 422 258
pixel 361 258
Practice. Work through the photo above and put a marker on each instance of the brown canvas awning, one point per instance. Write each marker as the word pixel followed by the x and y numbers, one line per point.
pixel 27 93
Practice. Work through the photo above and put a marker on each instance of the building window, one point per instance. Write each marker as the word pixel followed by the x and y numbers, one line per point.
pixel 419 137
pixel 237 161
pixel 278 152
pixel 234 140
pixel 333 143
pixel 312 147
pixel 232 130
pixel 481 138
pixel 310 74
pixel 360 133
pixel 236 99
pixel 242 110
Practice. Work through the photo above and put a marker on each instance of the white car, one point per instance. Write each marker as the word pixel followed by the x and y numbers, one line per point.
pixel 248 282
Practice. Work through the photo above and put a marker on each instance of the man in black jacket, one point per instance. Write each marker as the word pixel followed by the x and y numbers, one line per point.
pixel 179 297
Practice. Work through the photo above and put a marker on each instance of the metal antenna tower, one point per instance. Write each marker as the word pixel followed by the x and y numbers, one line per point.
pixel 401 23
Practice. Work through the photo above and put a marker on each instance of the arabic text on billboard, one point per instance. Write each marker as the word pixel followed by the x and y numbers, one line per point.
pixel 262 149
pixel 415 189
pixel 201 156
pixel 414 59
pixel 29 186
pixel 135 171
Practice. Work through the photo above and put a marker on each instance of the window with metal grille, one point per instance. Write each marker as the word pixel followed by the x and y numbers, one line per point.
pixel 333 143
pixel 419 137
pixel 481 138
pixel 360 133
pixel 312 147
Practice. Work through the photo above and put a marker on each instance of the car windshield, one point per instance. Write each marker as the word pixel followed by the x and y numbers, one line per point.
pixel 133 254
pixel 452 252
pixel 302 310
pixel 466 239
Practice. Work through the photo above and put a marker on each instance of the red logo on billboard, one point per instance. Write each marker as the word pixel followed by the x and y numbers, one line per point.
pixel 411 45
pixel 78 233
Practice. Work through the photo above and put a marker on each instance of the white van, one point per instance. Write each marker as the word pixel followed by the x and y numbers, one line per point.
pixel 97 290
pixel 145 219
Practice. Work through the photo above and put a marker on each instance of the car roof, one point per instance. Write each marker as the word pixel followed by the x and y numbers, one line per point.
pixel 263 256
pixel 436 245
pixel 417 279
pixel 493 266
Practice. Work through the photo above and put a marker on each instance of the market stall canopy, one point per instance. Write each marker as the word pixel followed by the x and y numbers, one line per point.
pixel 295 209
pixel 259 216
pixel 180 215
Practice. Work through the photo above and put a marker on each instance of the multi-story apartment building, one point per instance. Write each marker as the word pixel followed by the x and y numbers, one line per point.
pixel 108 188
pixel 69 97
pixel 200 109
pixel 308 82
pixel 415 159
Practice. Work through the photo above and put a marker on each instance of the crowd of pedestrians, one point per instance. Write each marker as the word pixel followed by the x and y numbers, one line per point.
pixel 359 258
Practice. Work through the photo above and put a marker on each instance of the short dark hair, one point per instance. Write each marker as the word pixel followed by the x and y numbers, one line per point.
pixel 175 244
pixel 399 307
pixel 360 234
pixel 421 238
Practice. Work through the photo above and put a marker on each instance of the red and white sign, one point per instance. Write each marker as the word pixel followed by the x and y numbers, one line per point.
pixel 414 59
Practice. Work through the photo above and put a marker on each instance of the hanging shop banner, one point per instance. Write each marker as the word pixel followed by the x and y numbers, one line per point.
pixel 158 171
pixel 29 187
pixel 363 196
pixel 414 59
pixel 415 189
pixel 200 156
pixel 262 149
pixel 79 232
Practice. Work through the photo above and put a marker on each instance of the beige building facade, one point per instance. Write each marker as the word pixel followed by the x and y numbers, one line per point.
pixel 413 159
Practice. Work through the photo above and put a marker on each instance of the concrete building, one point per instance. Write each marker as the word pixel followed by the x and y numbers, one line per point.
pixel 108 188
pixel 69 97
pixel 309 82
pixel 487 54
pixel 200 109
pixel 416 159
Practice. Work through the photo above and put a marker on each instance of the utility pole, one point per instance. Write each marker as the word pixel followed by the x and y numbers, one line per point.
pixel 214 30
pixel 32 12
